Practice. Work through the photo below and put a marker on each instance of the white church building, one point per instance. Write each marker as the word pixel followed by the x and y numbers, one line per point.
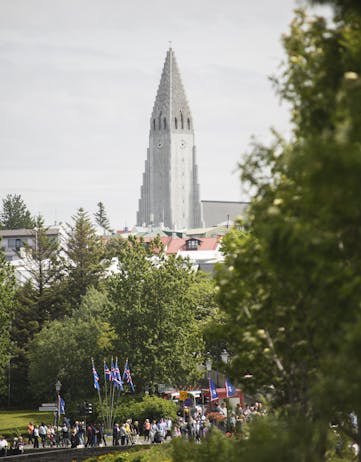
pixel 170 191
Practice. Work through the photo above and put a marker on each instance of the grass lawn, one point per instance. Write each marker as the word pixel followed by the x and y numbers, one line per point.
pixel 12 422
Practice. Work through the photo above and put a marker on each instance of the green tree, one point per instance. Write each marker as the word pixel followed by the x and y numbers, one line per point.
pixel 101 217
pixel 290 287
pixel 7 289
pixel 84 264
pixel 153 312
pixel 63 349
pixel 44 265
pixel 37 301
pixel 15 214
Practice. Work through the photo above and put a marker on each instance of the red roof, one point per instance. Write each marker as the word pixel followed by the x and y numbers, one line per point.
pixel 180 244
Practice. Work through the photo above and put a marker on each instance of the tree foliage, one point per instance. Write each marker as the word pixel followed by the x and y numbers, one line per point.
pixel 39 300
pixel 153 312
pixel 84 252
pixel 15 214
pixel 63 349
pixel 148 407
pixel 101 217
pixel 7 288
pixel 290 288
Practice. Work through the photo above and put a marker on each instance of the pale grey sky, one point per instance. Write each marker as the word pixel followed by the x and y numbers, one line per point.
pixel 78 79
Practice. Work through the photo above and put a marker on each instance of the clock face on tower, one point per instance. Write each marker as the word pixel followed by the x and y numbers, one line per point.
pixel 182 144
pixel 159 144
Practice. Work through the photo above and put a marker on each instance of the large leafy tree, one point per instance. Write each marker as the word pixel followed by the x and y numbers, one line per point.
pixel 84 265
pixel 15 214
pixel 7 289
pixel 154 314
pixel 63 349
pixel 290 288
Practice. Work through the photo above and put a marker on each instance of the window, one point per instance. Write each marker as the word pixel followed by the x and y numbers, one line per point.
pixel 182 126
pixel 153 124
pixel 160 121
pixel 189 123
pixel 15 243
pixel 175 122
pixel 164 123
pixel 192 244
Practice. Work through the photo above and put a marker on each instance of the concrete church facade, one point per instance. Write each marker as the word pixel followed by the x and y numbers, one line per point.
pixel 170 189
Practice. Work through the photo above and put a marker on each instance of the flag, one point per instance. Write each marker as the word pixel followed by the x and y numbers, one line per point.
pixel 212 390
pixel 61 405
pixel 230 389
pixel 107 373
pixel 118 379
pixel 95 377
pixel 127 377
pixel 112 371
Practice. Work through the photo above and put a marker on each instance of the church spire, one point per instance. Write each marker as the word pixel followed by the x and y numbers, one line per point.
pixel 170 189
pixel 171 102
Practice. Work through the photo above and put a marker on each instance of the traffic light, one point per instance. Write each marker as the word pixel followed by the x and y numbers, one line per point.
pixel 85 408
pixel 88 408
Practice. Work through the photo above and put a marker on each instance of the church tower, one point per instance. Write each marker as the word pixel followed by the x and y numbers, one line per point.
pixel 170 189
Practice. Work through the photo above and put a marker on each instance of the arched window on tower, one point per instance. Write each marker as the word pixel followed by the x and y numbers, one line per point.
pixel 175 123
pixel 153 124
pixel 160 121
pixel 182 124
pixel 164 123
pixel 189 123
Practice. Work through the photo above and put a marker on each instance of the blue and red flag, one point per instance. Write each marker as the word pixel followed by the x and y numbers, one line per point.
pixel 112 371
pixel 212 390
pixel 127 377
pixel 61 405
pixel 95 377
pixel 230 389
pixel 107 373
pixel 118 379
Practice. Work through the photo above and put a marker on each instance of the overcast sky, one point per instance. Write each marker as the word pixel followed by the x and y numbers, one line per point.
pixel 78 79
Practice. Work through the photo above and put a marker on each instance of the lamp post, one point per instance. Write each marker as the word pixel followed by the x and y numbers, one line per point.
pixel 224 358
pixel 57 388
pixel 208 369
pixel 208 366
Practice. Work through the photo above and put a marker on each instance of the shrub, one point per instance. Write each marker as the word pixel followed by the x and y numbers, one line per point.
pixel 149 407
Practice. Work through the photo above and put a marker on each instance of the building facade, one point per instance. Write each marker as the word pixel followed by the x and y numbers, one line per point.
pixel 170 190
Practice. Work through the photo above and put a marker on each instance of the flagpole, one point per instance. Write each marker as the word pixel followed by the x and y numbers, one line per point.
pixel 112 394
pixel 106 397
pixel 98 389
pixel 118 381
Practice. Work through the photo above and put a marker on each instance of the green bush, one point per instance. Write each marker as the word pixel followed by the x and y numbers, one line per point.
pixel 159 453
pixel 149 407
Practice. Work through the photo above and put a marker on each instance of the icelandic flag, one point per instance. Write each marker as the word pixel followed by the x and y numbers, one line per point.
pixel 107 373
pixel 61 405
pixel 95 378
pixel 212 390
pixel 230 389
pixel 127 377
pixel 118 379
pixel 112 372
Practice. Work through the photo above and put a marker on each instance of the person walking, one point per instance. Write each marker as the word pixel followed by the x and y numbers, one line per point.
pixel 30 433
pixel 3 446
pixel 43 429
pixel 36 436
pixel 146 429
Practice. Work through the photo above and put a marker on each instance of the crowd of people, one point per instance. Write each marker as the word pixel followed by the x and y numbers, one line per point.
pixel 15 448
pixel 192 423
pixel 66 435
